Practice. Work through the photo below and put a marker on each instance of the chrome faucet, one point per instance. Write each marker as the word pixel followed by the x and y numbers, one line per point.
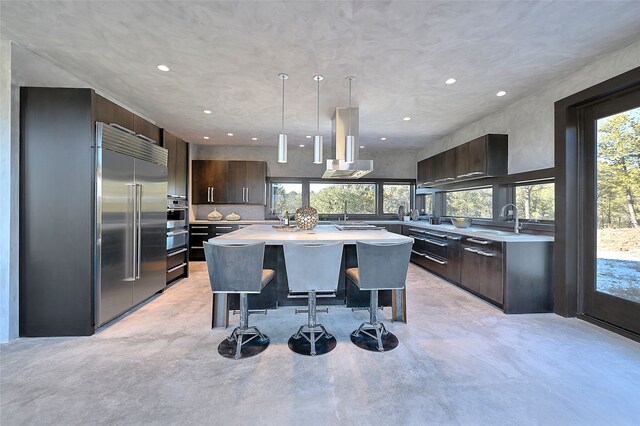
pixel 516 227
pixel 346 216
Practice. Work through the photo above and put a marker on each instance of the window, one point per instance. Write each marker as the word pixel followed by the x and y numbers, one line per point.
pixel 329 198
pixel 536 201
pixel 428 204
pixel 470 203
pixel 395 195
pixel 286 196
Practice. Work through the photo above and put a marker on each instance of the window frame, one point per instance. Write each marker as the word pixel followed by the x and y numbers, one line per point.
pixel 306 196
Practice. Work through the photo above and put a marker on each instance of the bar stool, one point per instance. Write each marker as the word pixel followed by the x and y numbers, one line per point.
pixel 312 268
pixel 237 268
pixel 381 266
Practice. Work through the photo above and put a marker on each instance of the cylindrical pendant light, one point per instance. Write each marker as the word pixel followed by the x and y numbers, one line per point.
pixel 318 140
pixel 350 153
pixel 282 139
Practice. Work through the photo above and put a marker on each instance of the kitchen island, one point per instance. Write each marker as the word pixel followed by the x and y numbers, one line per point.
pixel 277 292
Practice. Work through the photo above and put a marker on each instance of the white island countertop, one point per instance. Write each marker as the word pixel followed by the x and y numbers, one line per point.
pixel 319 234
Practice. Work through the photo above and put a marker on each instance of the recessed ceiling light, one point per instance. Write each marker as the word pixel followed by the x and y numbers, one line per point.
pixel 205 137
pixel 501 93
pixel 308 137
pixel 229 134
pixel 361 146
pixel 407 118
pixel 163 68
pixel 206 111
pixel 383 139
pixel 254 139
pixel 301 146
pixel 450 81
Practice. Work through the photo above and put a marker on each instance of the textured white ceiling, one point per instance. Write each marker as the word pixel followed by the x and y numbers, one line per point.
pixel 225 57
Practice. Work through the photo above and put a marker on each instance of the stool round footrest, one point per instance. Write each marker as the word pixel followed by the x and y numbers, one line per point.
pixel 374 338
pixel 243 344
pixel 301 342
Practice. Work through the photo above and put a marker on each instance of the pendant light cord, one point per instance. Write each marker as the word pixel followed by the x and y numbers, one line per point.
pixel 283 106
pixel 318 110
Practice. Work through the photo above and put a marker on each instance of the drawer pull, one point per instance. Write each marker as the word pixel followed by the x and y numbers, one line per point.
pixel 470 250
pixel 200 233
pixel 197 247
pixel 485 254
pixel 224 227
pixel 454 238
pixel 433 259
pixel 432 234
pixel 473 240
pixel 176 268
pixel 177 252
pixel 199 227
pixel 435 243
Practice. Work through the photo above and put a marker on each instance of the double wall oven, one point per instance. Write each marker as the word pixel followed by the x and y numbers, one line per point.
pixel 177 237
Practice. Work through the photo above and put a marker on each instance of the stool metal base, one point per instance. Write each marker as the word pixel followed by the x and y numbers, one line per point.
pixel 374 338
pixel 243 343
pixel 312 341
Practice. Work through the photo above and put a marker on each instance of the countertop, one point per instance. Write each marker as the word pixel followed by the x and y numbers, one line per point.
pixel 320 234
pixel 484 233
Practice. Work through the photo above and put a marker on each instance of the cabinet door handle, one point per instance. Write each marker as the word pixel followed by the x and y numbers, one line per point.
pixel 247 195
pixel 485 254
pixel 473 240
pixel 208 194
pixel 213 194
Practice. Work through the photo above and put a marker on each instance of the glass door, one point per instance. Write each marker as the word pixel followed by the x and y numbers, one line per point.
pixel 611 283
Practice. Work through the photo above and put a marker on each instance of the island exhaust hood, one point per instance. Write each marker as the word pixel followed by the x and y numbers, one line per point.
pixel 337 168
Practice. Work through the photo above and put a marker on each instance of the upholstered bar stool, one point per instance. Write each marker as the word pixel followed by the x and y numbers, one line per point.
pixel 381 266
pixel 237 268
pixel 312 268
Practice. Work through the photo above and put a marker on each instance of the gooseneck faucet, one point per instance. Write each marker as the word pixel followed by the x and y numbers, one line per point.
pixel 516 227
pixel 346 216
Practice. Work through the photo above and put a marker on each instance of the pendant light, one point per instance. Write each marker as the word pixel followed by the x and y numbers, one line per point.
pixel 351 140
pixel 318 140
pixel 282 138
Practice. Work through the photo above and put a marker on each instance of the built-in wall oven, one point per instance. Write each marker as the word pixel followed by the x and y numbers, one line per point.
pixel 177 237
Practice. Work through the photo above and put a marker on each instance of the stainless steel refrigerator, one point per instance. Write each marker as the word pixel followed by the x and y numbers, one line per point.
pixel 131 221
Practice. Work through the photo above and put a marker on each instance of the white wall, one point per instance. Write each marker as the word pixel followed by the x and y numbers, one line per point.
pixel 529 121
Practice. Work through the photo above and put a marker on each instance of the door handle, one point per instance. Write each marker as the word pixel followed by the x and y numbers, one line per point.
pixel 133 191
pixel 139 254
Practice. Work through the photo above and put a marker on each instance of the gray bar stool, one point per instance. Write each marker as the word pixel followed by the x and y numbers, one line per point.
pixel 381 266
pixel 237 268
pixel 312 268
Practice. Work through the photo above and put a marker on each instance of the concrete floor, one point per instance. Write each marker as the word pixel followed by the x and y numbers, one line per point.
pixel 460 361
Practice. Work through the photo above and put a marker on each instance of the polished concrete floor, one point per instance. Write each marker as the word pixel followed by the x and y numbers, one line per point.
pixel 460 361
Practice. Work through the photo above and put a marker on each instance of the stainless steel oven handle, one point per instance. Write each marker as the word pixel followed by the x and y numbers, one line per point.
pixel 174 233
pixel 177 252
pixel 176 268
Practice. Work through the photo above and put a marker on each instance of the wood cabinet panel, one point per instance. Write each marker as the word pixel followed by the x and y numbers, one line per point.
pixel 256 174
pixel 107 112
pixel 169 142
pixel 181 168
pixel 237 182
pixel 231 182
pixel 145 128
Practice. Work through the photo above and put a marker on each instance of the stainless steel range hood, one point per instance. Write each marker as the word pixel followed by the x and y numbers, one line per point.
pixel 337 168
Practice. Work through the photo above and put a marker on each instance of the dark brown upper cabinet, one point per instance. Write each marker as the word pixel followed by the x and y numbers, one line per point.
pixel 145 128
pixel 229 182
pixel 482 157
pixel 107 112
pixel 177 164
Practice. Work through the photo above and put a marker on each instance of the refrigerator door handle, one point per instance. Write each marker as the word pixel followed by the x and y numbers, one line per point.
pixel 134 234
pixel 139 228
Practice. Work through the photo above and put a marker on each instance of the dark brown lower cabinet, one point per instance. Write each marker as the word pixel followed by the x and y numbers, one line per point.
pixel 515 276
